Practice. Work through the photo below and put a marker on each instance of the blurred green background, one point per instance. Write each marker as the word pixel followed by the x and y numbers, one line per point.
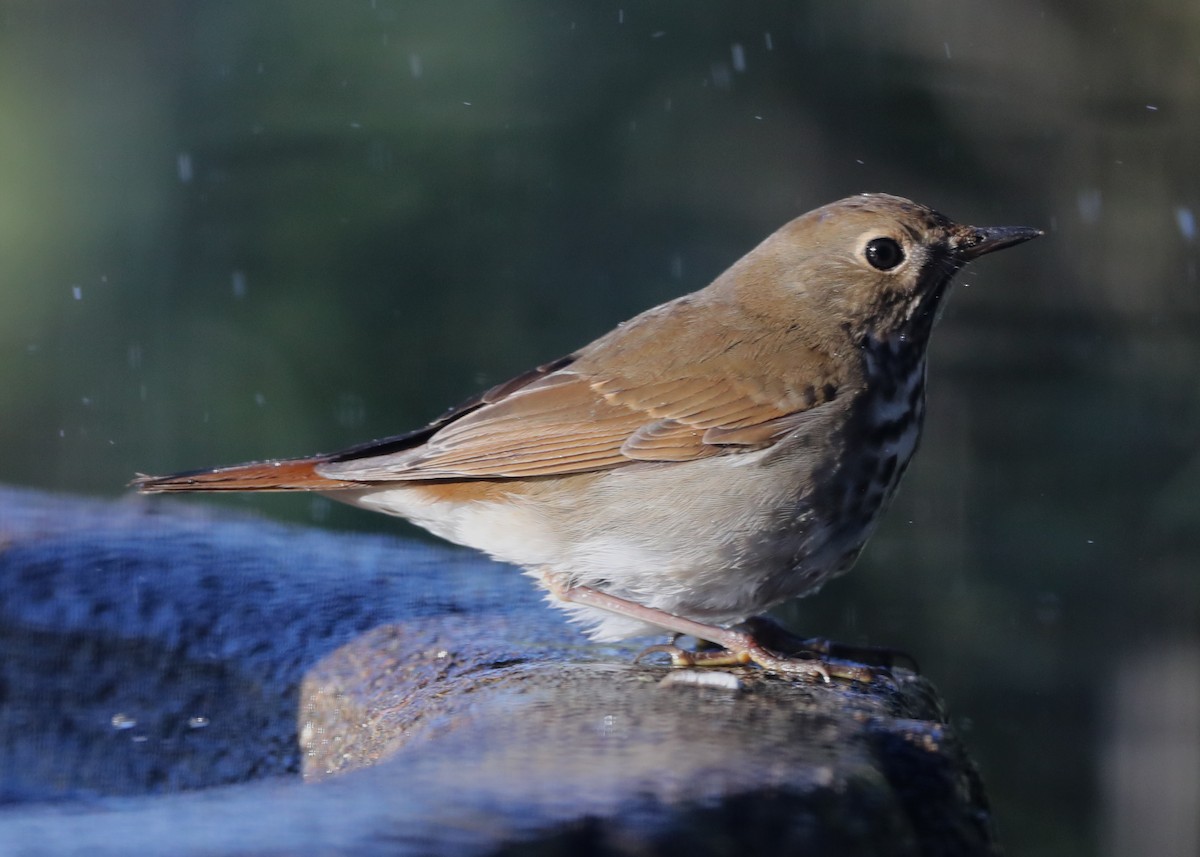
pixel 239 230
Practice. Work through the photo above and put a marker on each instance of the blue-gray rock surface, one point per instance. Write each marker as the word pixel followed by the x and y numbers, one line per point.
pixel 175 680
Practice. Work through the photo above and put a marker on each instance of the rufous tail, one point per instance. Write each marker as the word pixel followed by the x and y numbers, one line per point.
pixel 296 474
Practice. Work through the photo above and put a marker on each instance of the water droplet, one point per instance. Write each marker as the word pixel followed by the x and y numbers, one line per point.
pixel 714 678
pixel 1186 221
pixel 1090 203
pixel 183 166
pixel 123 721
pixel 737 56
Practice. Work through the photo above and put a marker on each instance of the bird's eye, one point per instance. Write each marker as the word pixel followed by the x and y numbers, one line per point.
pixel 883 253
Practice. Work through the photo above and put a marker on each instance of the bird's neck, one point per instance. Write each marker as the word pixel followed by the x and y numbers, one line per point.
pixel 894 370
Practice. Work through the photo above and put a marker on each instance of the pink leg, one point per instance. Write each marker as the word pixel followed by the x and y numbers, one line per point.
pixel 741 646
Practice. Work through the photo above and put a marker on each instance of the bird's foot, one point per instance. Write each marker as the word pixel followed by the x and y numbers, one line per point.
pixel 736 657
pixel 740 648
pixel 774 636
pixel 758 641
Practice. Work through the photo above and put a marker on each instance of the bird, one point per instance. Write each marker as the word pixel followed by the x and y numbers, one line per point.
pixel 701 463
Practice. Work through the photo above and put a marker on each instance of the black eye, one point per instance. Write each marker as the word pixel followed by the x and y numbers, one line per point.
pixel 883 253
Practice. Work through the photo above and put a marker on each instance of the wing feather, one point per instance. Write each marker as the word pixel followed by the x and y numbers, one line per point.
pixel 717 388
pixel 567 422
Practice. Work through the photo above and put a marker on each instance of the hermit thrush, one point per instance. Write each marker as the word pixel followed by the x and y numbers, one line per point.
pixel 705 460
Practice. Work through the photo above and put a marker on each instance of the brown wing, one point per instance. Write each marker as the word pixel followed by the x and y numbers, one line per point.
pixel 681 382
pixel 567 422
pixel 684 381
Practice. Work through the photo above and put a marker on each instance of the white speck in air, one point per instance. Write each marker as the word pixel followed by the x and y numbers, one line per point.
pixel 737 55
pixel 1185 219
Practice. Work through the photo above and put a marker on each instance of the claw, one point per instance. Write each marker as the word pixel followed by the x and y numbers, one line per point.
pixel 679 657
pixel 756 654
pixel 802 667
pixel 774 636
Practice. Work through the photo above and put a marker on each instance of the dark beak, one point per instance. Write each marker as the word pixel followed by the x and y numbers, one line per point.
pixel 975 241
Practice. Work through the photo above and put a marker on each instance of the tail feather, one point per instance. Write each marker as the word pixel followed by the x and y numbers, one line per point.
pixel 296 474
